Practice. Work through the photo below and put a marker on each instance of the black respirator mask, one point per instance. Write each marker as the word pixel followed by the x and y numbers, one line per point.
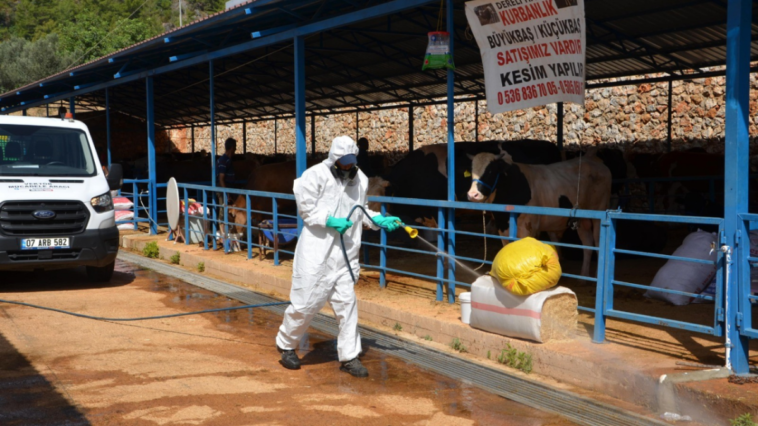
pixel 348 174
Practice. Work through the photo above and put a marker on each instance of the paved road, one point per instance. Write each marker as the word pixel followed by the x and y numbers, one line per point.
pixel 212 369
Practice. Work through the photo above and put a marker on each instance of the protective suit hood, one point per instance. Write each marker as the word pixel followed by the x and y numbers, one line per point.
pixel 341 146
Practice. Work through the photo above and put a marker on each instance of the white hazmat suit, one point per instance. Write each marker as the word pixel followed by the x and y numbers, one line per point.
pixel 319 272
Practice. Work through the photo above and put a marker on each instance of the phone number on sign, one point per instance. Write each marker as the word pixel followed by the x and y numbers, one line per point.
pixel 571 87
pixel 533 91
pixel 526 93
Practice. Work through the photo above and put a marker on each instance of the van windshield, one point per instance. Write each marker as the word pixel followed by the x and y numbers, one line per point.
pixel 44 151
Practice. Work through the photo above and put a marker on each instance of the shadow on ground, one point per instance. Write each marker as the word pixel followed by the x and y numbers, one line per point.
pixel 61 280
pixel 27 397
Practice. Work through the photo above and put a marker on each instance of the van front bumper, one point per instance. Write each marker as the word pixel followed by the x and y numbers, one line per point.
pixel 95 247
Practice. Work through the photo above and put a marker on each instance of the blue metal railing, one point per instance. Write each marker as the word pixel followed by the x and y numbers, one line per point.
pixel 140 201
pixel 746 264
pixel 216 215
pixel 212 223
pixel 604 301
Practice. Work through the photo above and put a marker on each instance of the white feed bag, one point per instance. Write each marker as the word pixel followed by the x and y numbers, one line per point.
pixel 711 289
pixel 686 276
pixel 499 311
pixel 122 203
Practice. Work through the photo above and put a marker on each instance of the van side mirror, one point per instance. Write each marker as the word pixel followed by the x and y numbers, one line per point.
pixel 115 177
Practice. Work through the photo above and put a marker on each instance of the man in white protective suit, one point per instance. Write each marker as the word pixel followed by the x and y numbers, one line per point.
pixel 325 193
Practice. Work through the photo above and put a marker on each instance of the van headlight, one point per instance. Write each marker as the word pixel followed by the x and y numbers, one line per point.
pixel 102 203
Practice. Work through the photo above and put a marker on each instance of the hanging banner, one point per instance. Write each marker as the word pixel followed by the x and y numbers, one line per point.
pixel 533 51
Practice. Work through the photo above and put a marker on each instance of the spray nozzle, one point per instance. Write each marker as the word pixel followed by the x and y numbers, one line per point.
pixel 412 232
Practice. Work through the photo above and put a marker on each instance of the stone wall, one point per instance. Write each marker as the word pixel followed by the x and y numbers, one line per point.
pixel 631 117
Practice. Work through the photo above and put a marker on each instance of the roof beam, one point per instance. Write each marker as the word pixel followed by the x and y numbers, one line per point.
pixel 621 37
pixel 184 56
pixel 656 10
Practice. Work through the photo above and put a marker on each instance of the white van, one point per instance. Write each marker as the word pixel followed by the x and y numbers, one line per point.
pixel 55 205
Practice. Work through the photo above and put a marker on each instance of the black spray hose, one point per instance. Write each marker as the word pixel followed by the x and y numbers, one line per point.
pixel 143 318
pixel 342 242
pixel 412 232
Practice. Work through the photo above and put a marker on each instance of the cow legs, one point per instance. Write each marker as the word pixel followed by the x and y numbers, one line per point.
pixel 585 232
pixel 504 234
pixel 555 238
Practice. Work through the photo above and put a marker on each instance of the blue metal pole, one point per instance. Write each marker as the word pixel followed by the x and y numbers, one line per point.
pixel 72 107
pixel 441 249
pixel 213 127
pixel 153 199
pixel 225 223
pixel 250 226
pixel 135 203
pixel 275 211
pixel 187 230
pixel 512 225
pixel 605 266
pixel 205 219
pixel 383 252
pixel 736 178
pixel 108 124
pixel 451 156
pixel 300 148
pixel 214 182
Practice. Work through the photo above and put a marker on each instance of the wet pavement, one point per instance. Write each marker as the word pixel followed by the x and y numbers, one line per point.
pixel 209 369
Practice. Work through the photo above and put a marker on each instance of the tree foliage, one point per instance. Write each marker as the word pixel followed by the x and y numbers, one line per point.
pixel 41 37
pixel 88 38
pixel 23 61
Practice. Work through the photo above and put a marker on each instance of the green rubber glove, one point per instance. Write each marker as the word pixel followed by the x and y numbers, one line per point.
pixel 390 223
pixel 340 224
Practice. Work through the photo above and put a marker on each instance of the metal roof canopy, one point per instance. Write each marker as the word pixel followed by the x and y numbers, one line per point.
pixel 359 55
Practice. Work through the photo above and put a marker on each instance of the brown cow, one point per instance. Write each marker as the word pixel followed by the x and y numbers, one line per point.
pixel 497 179
pixel 279 178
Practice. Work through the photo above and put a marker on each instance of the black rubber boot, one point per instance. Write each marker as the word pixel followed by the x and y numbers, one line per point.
pixel 355 368
pixel 289 360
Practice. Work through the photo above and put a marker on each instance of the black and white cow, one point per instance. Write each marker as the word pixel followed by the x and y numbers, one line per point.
pixel 423 173
pixel 498 179
pixel 614 159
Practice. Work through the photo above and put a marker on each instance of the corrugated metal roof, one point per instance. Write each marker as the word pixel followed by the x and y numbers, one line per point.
pixel 373 63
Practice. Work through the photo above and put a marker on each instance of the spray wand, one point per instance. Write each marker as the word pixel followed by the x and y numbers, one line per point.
pixel 412 232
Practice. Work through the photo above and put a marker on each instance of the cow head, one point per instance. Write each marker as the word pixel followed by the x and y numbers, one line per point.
pixel 376 188
pixel 486 170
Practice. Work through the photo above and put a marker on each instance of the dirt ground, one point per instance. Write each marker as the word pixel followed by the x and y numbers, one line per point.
pixel 211 369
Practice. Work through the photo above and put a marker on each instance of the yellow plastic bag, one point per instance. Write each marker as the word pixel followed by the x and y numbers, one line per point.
pixel 526 267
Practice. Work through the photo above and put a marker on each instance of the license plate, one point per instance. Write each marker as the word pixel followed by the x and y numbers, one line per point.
pixel 44 243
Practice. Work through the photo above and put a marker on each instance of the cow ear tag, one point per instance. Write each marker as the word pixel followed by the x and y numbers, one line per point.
pixel 467 174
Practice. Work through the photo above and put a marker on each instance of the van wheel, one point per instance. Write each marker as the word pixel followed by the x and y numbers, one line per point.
pixel 100 274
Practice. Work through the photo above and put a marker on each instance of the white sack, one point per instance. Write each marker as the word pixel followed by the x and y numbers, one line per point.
pixel 499 311
pixel 711 289
pixel 686 276
pixel 122 203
